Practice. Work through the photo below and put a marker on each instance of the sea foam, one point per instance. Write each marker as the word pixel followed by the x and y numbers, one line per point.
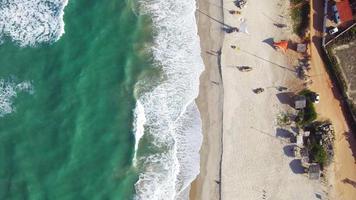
pixel 8 91
pixel 31 22
pixel 172 120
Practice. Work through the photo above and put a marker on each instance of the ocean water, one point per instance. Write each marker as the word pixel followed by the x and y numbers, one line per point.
pixel 97 99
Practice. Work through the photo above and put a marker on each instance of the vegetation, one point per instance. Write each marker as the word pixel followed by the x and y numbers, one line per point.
pixel 283 119
pixel 318 154
pixel 308 114
pixel 320 142
pixel 300 16
pixel 307 93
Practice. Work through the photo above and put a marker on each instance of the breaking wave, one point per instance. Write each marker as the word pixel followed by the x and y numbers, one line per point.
pixel 172 126
pixel 8 91
pixel 31 22
pixel 139 123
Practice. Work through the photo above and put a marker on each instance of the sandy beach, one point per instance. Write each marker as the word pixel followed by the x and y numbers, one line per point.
pixel 210 100
pixel 239 125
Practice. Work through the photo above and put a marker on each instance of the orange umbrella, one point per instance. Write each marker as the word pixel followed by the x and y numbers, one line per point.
pixel 282 45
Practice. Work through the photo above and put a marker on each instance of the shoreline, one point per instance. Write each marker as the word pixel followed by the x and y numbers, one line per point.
pixel 209 101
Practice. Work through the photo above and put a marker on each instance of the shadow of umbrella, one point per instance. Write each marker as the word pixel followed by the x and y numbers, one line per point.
pixel 289 150
pixel 270 42
pixel 283 133
pixel 286 98
pixel 296 166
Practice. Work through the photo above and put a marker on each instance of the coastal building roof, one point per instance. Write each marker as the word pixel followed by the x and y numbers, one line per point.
pixel 300 102
pixel 314 171
pixel 345 11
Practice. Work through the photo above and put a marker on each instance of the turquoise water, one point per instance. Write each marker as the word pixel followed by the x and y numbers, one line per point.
pixel 72 137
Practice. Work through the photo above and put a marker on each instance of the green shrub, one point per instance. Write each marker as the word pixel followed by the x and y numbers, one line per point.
pixel 318 154
pixel 308 114
pixel 307 93
pixel 300 17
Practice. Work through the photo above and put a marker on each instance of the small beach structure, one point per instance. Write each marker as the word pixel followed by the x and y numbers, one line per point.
pixel 300 141
pixel 300 102
pixel 244 68
pixel 314 171
pixel 301 48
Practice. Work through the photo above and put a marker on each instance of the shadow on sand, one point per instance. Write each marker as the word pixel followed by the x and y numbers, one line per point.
pixel 283 133
pixel 296 166
pixel 286 98
pixel 289 150
pixel 349 181
pixel 270 42
pixel 350 138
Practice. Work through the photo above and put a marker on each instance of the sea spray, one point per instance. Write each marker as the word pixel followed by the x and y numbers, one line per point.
pixel 8 91
pixel 172 128
pixel 139 123
pixel 31 22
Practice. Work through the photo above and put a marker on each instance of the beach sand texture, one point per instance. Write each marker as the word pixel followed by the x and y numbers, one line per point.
pixel 256 163
pixel 210 100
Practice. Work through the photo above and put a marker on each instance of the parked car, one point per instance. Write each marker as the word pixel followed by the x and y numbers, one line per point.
pixel 315 98
pixel 333 30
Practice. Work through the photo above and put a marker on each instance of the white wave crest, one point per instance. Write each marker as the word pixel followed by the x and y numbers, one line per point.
pixel 139 123
pixel 173 124
pixel 31 22
pixel 8 91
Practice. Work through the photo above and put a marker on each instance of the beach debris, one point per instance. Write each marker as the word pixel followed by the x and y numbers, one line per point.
pixel 258 90
pixel 244 68
pixel 215 82
pixel 234 12
pixel 230 29
pixel 243 26
pixel 233 47
pixel 281 88
pixel 280 25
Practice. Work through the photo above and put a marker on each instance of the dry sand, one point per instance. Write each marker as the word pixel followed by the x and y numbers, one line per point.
pixel 256 160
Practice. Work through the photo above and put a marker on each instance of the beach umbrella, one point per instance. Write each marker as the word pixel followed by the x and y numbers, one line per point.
pixel 281 45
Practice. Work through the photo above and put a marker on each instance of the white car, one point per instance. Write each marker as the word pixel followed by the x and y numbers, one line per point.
pixel 317 98
pixel 333 30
